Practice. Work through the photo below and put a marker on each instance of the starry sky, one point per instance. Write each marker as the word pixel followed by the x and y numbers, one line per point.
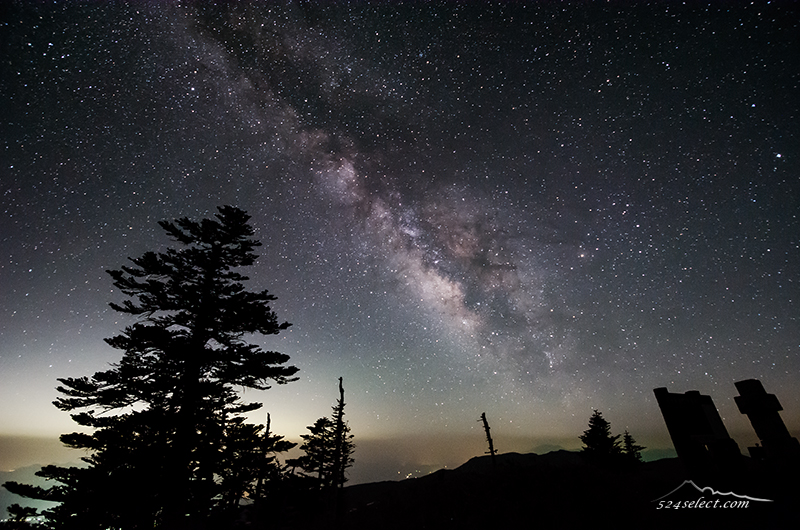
pixel 531 210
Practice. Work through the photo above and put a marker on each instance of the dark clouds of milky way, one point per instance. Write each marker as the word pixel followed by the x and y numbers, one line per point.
pixel 531 209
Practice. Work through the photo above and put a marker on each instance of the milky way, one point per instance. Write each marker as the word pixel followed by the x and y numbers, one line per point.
pixel 529 210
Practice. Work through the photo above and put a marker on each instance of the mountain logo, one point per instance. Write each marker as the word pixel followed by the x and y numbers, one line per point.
pixel 690 495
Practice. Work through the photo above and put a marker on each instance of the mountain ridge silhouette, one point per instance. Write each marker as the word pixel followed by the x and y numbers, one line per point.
pixel 555 489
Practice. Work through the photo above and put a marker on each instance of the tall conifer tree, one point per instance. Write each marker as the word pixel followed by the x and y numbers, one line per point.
pixel 166 421
pixel 598 443
pixel 328 448
pixel 631 450
pixel 342 442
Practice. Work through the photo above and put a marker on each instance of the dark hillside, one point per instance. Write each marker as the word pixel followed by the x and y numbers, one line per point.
pixel 555 490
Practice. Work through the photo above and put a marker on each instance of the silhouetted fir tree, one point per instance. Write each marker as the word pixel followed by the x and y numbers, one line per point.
pixel 328 448
pixel 249 461
pixel 166 427
pixel 599 445
pixel 343 442
pixel 318 448
pixel 269 472
pixel 631 451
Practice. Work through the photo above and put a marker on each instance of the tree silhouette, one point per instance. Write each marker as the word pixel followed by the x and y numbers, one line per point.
pixel 317 445
pixel 166 421
pixel 632 452
pixel 249 461
pixel 19 514
pixel 488 436
pixel 598 443
pixel 328 448
pixel 343 442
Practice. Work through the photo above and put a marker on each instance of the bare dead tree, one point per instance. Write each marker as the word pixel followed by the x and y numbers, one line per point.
pixel 488 437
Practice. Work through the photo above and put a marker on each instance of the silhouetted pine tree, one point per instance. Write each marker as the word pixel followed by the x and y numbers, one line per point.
pixel 599 444
pixel 343 442
pixel 631 451
pixel 328 448
pixel 166 422
pixel 249 461
pixel 317 445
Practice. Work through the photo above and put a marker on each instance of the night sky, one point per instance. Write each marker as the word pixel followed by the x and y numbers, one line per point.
pixel 529 210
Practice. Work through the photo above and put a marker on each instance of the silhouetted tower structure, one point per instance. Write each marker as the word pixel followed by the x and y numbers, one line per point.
pixel 762 409
pixel 698 434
